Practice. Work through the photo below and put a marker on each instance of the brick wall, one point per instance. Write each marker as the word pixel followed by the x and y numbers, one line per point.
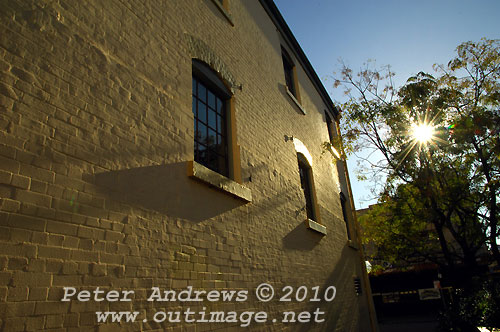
pixel 95 130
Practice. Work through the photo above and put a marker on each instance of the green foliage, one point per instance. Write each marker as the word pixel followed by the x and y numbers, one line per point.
pixel 399 235
pixel 440 198
pixel 477 305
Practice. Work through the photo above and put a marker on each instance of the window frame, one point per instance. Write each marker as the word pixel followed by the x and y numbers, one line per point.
pixel 343 202
pixel 331 126
pixel 290 73
pixel 213 118
pixel 305 174
pixel 233 179
pixel 304 158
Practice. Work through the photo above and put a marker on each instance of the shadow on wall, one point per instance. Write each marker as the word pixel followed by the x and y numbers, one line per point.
pixel 344 308
pixel 301 238
pixel 166 189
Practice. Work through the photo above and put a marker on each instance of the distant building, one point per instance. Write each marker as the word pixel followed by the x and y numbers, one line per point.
pixel 169 146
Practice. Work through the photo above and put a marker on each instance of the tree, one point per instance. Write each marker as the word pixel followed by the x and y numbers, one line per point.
pixel 473 102
pixel 449 180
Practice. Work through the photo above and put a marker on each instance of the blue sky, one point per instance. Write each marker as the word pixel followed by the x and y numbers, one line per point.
pixel 409 35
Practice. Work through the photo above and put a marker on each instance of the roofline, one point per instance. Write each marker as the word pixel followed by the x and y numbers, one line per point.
pixel 283 28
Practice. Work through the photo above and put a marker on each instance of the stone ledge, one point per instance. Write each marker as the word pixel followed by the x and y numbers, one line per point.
pixel 315 226
pixel 352 244
pixel 295 101
pixel 220 182
pixel 224 12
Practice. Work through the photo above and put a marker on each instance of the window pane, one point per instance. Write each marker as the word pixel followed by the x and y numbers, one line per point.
pixel 200 154
pixel 212 138
pixel 288 69
pixel 212 120
pixel 212 161
pixel 202 92
pixel 344 213
pixel 209 94
pixel 289 81
pixel 219 124
pixel 329 126
pixel 196 138
pixel 211 100
pixel 220 106
pixel 202 112
pixel 202 149
pixel 305 183
pixel 221 145
pixel 202 133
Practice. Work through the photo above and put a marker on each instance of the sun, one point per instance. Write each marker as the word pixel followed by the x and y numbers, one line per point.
pixel 422 132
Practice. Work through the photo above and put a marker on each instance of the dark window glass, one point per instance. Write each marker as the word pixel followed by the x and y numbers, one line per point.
pixel 210 148
pixel 288 69
pixel 305 183
pixel 343 202
pixel 220 105
pixel 219 122
pixel 329 126
pixel 211 100
pixel 202 92
pixel 212 120
pixel 202 112
pixel 212 138
pixel 201 133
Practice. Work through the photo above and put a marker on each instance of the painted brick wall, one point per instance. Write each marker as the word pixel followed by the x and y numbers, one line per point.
pixel 95 130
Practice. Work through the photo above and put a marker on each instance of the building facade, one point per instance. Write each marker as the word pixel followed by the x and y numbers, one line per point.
pixel 158 158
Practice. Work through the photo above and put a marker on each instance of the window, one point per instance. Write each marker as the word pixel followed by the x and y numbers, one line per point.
pixel 329 126
pixel 306 185
pixel 289 69
pixel 210 97
pixel 343 202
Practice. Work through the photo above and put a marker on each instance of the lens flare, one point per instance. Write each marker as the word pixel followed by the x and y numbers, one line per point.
pixel 422 132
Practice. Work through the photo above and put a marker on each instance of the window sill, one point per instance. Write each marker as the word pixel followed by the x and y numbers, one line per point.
pixel 312 225
pixel 224 11
pixel 220 182
pixel 352 244
pixel 295 101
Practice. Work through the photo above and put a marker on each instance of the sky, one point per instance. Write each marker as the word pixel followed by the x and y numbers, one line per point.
pixel 408 35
